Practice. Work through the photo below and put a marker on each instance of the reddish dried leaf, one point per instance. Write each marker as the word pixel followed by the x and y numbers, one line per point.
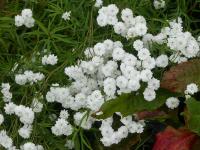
pixel 172 139
pixel 179 76
pixel 150 114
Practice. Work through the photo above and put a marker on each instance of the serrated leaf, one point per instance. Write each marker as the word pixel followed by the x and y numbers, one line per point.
pixel 130 103
pixel 179 76
pixel 192 115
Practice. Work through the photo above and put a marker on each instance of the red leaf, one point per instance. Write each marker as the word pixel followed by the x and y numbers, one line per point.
pixel 172 139
pixel 150 114
pixel 178 77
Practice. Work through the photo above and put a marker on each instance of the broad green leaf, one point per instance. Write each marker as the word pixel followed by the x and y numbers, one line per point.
pixel 179 76
pixel 193 115
pixel 131 103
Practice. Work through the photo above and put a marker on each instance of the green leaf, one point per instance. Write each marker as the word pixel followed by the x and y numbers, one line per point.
pixel 131 103
pixel 42 27
pixel 193 115
pixel 179 76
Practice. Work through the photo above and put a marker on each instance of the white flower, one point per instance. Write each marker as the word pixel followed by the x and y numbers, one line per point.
pixel 25 131
pixel 138 45
pixel 29 146
pixel 109 44
pixel 95 100
pixel 10 108
pixel 118 54
pixel 143 54
pixel 36 105
pixel 158 4
pixel 120 28
pixel 64 114
pixel 162 61
pixel 172 102
pixel 69 144
pixel 19 20
pixel 7 95
pixel 121 82
pixel 98 3
pixel 146 75
pixel 149 94
pixel 66 15
pixel 62 127
pixel 5 140
pixel 49 59
pixel 154 84
pixel 110 86
pixel 1 119
pixel 149 63
pixel 126 14
pixel 140 29
pixel 81 119
pixel 97 61
pixel 129 59
pixel 192 88
pixel 102 20
pixel 133 84
pixel 29 22
pixel 27 13
pixel 99 49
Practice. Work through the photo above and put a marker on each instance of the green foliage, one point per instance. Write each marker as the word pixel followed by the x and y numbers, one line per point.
pixel 68 41
pixel 192 115
pixel 128 104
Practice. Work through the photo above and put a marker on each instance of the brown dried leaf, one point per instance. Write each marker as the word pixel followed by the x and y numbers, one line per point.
pixel 179 76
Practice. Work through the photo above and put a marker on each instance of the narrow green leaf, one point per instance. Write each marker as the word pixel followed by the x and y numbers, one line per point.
pixel 42 27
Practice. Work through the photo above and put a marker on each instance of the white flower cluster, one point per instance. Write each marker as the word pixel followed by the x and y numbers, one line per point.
pixel 49 59
pixel 62 126
pixel 7 95
pixel 183 44
pixel 114 71
pixel 172 102
pixel 26 18
pixel 129 27
pixel 26 116
pixel 109 136
pixel 28 77
pixel 66 15
pixel 158 4
pixel 191 89
pixel 108 72
pixel 98 3
pixel 7 143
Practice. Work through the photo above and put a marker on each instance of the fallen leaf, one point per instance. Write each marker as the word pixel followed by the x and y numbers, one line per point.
pixel 175 139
